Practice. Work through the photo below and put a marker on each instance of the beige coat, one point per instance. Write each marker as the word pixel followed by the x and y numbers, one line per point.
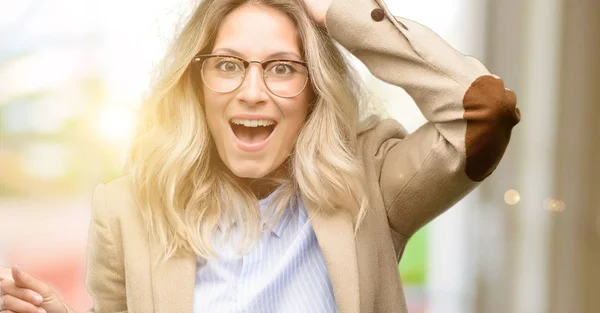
pixel 413 178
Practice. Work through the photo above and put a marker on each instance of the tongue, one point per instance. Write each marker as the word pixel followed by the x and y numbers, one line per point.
pixel 251 135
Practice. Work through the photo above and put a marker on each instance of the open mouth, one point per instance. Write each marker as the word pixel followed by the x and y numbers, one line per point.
pixel 252 131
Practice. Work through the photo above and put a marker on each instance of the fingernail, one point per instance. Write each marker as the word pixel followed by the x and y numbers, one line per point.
pixel 19 270
pixel 38 298
pixel 40 310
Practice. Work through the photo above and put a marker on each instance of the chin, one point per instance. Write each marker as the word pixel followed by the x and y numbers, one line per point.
pixel 249 170
pixel 257 168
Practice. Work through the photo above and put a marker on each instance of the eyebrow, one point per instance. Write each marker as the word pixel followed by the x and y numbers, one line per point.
pixel 282 54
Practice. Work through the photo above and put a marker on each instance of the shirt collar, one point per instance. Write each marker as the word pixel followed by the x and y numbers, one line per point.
pixel 290 212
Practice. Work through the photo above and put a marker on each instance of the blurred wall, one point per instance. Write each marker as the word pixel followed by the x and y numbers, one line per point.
pixel 575 250
pixel 543 254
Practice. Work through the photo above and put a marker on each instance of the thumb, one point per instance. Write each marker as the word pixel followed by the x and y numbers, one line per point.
pixel 24 280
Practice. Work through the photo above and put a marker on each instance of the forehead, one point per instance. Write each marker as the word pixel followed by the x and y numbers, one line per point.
pixel 257 31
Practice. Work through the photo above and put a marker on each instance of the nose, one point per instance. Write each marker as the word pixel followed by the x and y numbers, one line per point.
pixel 253 90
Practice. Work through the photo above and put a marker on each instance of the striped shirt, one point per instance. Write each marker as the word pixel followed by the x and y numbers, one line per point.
pixel 285 272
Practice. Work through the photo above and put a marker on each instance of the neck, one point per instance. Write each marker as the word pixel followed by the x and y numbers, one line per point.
pixel 264 186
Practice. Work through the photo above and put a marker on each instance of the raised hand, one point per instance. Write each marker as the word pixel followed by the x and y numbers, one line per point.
pixel 22 293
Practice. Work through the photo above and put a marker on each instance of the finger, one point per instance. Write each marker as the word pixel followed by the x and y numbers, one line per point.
pixel 5 273
pixel 11 303
pixel 9 287
pixel 24 280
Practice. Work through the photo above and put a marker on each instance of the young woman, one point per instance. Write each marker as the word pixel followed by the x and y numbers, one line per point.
pixel 255 184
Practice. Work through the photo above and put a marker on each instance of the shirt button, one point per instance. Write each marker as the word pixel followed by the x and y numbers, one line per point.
pixel 377 15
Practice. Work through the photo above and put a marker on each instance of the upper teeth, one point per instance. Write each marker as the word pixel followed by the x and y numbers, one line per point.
pixel 252 123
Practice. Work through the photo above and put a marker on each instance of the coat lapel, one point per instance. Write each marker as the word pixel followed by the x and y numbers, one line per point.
pixel 173 282
pixel 335 234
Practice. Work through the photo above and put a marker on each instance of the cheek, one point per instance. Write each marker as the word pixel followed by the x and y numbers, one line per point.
pixel 296 114
pixel 213 113
pixel 210 111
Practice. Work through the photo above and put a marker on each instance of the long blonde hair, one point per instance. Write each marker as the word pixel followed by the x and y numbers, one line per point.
pixel 182 193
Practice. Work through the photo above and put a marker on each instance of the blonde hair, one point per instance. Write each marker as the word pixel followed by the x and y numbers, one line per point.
pixel 183 193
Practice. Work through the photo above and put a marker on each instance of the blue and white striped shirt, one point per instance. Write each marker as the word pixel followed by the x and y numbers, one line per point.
pixel 285 272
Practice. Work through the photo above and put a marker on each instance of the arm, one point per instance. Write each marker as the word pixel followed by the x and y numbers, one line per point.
pixel 470 114
pixel 105 277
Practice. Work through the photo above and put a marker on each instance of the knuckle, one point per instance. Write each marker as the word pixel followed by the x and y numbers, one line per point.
pixel 8 302
pixel 31 295
pixel 26 294
pixel 5 286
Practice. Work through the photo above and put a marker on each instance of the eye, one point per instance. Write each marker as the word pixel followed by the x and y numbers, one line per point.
pixel 228 66
pixel 282 68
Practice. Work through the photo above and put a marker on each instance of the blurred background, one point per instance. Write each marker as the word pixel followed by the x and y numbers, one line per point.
pixel 73 73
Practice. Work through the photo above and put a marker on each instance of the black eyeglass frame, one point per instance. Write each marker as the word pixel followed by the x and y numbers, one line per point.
pixel 200 58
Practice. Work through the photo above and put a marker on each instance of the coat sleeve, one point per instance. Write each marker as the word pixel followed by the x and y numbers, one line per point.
pixel 105 278
pixel 469 111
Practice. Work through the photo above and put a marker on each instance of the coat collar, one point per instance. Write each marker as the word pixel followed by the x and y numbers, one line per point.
pixel 173 281
pixel 335 234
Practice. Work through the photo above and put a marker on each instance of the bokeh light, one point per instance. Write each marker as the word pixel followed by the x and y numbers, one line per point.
pixel 554 205
pixel 116 124
pixel 512 197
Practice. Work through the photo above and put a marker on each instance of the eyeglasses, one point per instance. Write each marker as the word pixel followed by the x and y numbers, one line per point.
pixel 226 73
